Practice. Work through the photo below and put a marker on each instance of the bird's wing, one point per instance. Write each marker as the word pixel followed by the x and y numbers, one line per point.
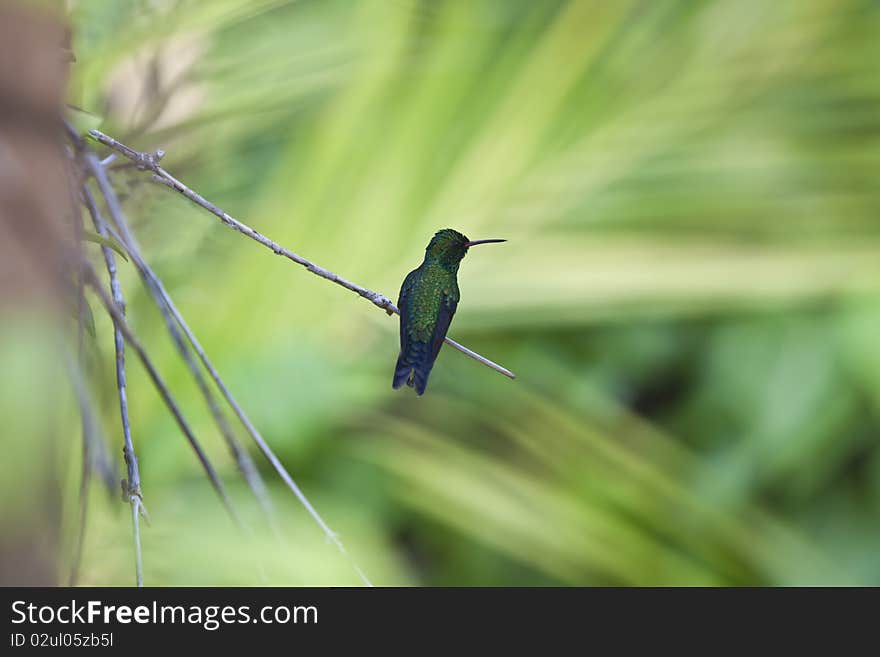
pixel 403 305
pixel 448 304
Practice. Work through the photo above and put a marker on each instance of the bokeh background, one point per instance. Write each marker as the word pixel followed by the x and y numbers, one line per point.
pixel 690 294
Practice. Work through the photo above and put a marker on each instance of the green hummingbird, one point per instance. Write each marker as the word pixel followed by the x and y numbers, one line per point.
pixel 428 299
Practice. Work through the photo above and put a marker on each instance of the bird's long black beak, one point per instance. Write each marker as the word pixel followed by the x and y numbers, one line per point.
pixel 492 241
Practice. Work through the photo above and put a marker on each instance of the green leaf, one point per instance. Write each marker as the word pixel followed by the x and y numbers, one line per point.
pixel 109 242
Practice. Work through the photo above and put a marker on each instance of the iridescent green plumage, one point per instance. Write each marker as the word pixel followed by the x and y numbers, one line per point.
pixel 428 299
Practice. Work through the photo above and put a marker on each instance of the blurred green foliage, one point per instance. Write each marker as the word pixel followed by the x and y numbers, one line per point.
pixel 690 295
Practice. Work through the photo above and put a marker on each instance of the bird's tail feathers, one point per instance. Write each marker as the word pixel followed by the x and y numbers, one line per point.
pixel 420 377
pixel 415 375
pixel 402 373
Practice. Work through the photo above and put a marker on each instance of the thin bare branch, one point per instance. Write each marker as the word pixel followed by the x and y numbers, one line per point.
pixel 159 383
pixel 136 506
pixel 131 486
pixel 150 162
pixel 130 245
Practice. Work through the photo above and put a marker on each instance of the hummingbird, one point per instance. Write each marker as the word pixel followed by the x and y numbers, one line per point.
pixel 428 299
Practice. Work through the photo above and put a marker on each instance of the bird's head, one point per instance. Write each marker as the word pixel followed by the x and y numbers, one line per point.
pixel 448 246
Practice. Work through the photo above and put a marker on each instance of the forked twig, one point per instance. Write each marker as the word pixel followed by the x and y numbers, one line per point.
pixel 168 307
pixel 154 286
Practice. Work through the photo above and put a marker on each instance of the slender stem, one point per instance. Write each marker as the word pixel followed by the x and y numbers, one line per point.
pixel 154 286
pixel 136 528
pixel 150 162
pixel 131 486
